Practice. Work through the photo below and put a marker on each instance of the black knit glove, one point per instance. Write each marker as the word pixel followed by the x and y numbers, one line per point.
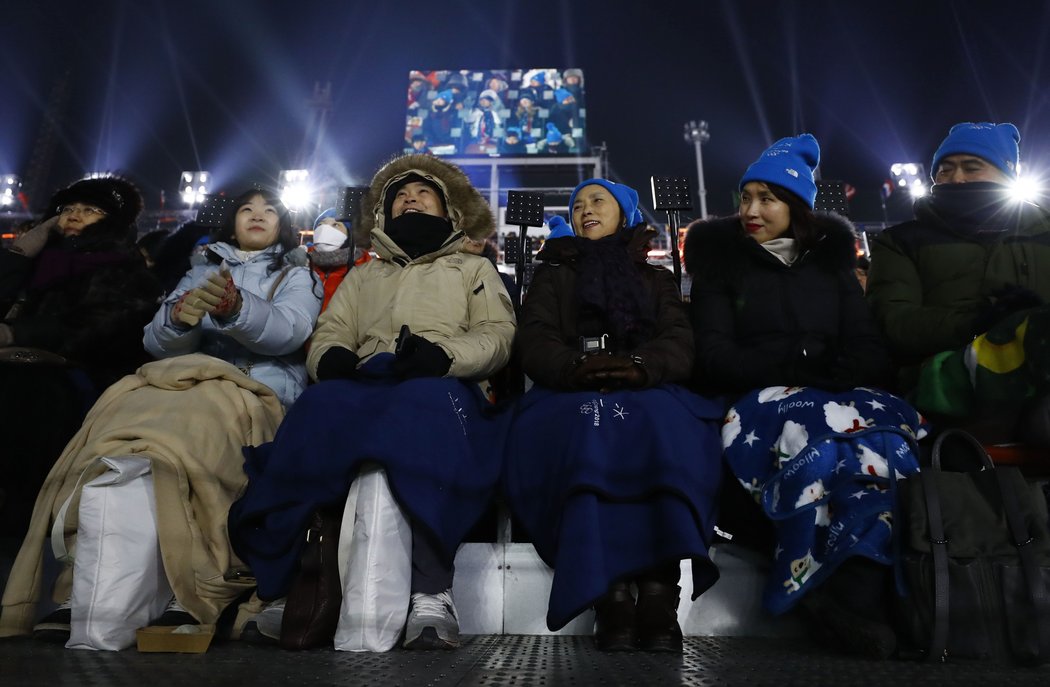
pixel 418 357
pixel 1004 302
pixel 337 363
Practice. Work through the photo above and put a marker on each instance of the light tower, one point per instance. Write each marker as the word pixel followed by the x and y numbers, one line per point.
pixel 697 133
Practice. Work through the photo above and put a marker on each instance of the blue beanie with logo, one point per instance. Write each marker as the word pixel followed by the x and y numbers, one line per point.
pixel 626 196
pixel 789 163
pixel 560 94
pixel 995 143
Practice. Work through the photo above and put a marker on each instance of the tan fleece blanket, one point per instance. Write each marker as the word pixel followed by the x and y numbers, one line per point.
pixel 190 415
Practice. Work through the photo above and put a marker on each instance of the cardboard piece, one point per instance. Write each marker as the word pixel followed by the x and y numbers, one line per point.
pixel 158 638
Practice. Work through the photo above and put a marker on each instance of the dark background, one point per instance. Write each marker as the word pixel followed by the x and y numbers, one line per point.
pixel 160 87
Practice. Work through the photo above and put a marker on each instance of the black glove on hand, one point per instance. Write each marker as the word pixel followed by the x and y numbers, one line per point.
pixel 1004 302
pixel 421 358
pixel 605 372
pixel 337 363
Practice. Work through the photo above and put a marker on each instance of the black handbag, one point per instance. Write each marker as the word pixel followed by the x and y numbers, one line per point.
pixel 975 558
pixel 311 610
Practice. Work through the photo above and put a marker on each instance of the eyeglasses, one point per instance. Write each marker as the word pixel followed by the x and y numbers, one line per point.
pixel 86 210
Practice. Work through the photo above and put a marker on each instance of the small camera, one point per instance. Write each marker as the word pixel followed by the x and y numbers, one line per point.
pixel 594 344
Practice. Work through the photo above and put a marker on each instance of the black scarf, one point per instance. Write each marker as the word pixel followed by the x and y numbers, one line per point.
pixel 609 288
pixel 976 207
pixel 417 233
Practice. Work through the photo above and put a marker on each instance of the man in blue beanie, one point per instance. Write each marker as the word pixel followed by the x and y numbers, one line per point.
pixel 962 277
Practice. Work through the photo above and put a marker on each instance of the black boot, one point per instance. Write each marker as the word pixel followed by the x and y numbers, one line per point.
pixel 614 620
pixel 657 617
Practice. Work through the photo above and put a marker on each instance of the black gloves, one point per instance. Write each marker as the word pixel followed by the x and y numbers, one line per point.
pixel 417 357
pixel 337 363
pixel 1002 303
pixel 606 372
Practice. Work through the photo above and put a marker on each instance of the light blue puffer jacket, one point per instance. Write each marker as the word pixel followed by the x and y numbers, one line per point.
pixel 265 339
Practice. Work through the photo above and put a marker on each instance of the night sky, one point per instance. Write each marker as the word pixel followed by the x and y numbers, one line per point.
pixel 160 87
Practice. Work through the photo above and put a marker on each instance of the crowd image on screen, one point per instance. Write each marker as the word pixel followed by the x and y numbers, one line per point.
pixel 537 111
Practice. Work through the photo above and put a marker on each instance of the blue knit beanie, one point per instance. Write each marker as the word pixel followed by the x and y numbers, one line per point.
pixel 788 163
pixel 553 135
pixel 330 212
pixel 626 196
pixel 560 94
pixel 558 227
pixel 996 143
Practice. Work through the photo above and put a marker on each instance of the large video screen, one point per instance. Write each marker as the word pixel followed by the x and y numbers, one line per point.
pixel 496 112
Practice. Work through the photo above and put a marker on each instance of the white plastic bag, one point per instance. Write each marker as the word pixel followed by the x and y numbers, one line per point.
pixel 375 566
pixel 119 583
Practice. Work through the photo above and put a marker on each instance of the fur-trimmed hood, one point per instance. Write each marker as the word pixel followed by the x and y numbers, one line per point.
pixel 467 209
pixel 718 245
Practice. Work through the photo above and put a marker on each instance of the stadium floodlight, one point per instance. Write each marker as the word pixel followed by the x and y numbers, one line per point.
pixel 193 187
pixel 9 189
pixel 1025 188
pixel 295 189
pixel 910 176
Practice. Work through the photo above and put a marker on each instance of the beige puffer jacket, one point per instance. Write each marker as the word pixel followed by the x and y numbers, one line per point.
pixel 456 300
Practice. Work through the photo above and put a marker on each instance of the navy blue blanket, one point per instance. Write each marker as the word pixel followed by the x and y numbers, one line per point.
pixel 438 439
pixel 610 485
pixel 822 466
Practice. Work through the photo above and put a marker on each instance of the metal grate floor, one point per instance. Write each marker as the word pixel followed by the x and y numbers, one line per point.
pixel 492 661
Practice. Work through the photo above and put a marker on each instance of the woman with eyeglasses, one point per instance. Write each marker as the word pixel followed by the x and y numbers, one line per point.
pixel 74 297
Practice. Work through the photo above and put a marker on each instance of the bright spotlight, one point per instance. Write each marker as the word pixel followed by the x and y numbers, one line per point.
pixel 1025 189
pixel 9 186
pixel 193 186
pixel 295 189
pixel 909 175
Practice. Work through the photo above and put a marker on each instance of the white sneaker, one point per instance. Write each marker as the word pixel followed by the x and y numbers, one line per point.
pixel 432 622
pixel 268 620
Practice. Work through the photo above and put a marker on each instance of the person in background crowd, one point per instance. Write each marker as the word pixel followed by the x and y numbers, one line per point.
pixel 783 331
pixel 250 312
pixel 417 89
pixel 441 119
pixel 564 112
pixel 74 296
pixel 399 355
pixel 525 118
pixel 333 253
pixel 612 502
pixel 419 144
pixel 483 122
pixel 512 143
pixel 537 89
pixel 952 287
pixel 572 81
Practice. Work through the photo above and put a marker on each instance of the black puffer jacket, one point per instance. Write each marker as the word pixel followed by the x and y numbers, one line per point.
pixel 758 322
pixel 550 324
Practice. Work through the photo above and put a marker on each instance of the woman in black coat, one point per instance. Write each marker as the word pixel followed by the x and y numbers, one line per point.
pixel 611 466
pixel 782 329
pixel 75 294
